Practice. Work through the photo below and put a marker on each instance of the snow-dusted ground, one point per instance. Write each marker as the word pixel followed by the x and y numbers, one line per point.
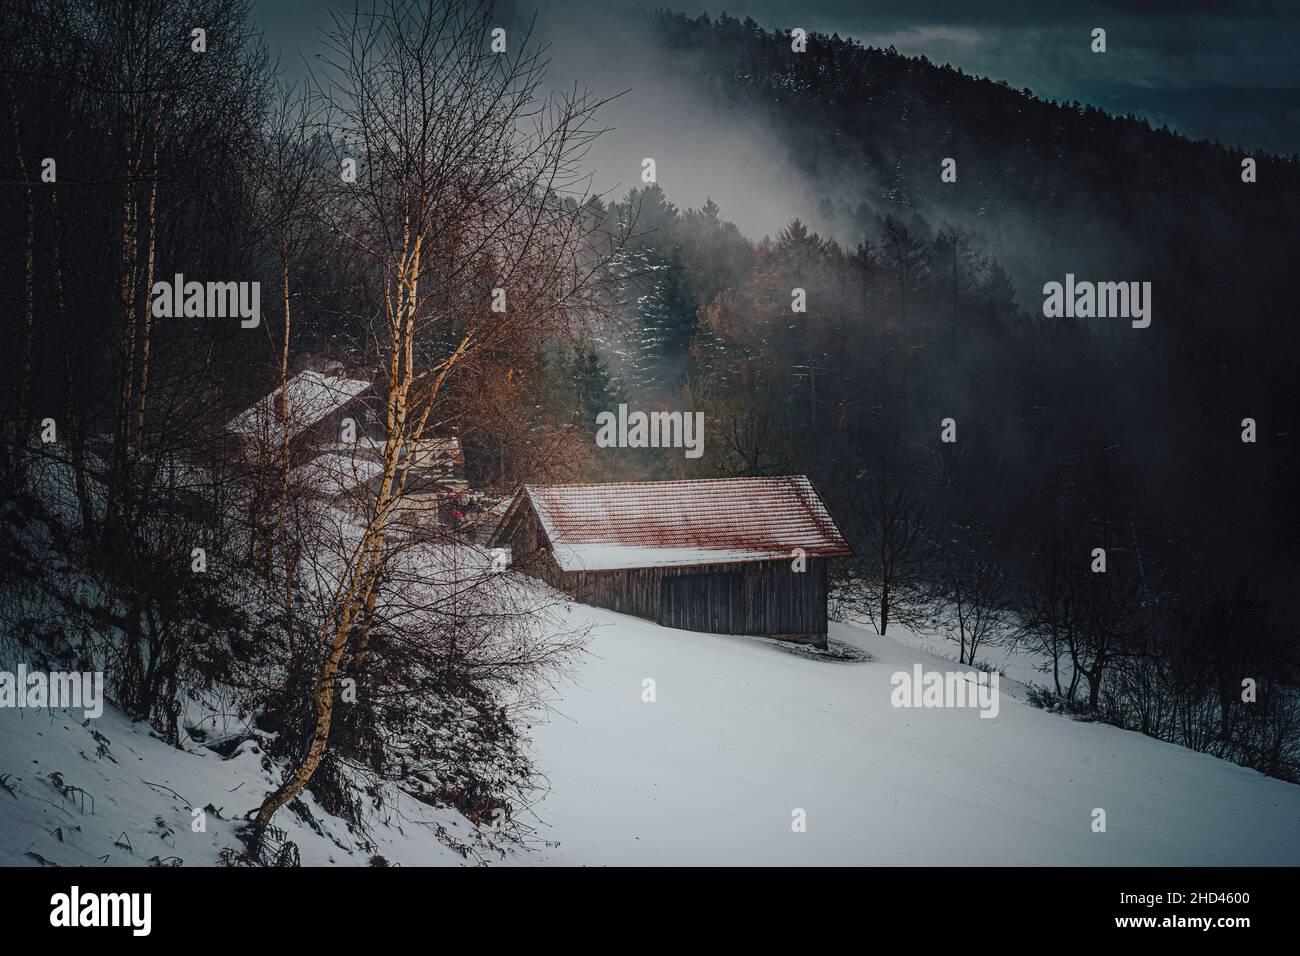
pixel 742 733
pixel 139 787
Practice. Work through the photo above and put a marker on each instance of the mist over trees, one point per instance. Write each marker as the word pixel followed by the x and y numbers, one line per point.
pixel 1070 435
pixel 933 311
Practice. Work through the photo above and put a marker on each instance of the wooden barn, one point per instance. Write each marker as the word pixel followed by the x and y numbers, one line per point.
pixel 312 409
pixel 727 555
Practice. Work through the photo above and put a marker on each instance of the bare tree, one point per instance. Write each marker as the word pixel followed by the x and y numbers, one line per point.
pixel 461 202
pixel 891 574
pixel 972 590
pixel 1046 605
pixel 749 432
pixel 289 177
pixel 1073 613
pixel 1111 618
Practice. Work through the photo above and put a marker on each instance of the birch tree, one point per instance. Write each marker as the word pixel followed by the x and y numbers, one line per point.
pixel 465 222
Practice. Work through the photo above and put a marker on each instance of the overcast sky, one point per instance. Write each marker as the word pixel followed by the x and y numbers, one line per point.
pixel 1225 70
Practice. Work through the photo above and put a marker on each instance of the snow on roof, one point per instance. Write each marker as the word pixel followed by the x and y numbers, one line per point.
pixel 614 557
pixel 311 396
pixel 436 452
pixel 336 475
pixel 426 453
pixel 344 466
pixel 674 523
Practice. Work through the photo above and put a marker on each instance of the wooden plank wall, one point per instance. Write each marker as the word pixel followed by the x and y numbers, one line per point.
pixel 758 598
pixel 761 597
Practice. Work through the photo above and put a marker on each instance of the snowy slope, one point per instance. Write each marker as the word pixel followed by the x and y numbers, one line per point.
pixel 138 786
pixel 742 732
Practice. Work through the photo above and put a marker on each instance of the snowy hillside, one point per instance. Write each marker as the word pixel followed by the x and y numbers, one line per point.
pixel 134 799
pixel 741 733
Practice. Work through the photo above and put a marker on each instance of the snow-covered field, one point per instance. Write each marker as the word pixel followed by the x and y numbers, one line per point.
pixel 741 734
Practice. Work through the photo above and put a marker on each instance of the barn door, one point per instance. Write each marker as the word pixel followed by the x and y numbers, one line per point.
pixel 703 602
pixel 727 604
pixel 672 601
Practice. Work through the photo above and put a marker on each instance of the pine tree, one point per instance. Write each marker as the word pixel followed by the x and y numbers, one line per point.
pixel 594 389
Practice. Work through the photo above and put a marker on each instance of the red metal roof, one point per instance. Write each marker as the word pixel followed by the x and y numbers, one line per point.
pixel 655 523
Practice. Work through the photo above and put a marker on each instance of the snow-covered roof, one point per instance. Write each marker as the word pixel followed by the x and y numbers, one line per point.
pixel 427 453
pixel 600 527
pixel 336 475
pixel 311 396
pixel 343 466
